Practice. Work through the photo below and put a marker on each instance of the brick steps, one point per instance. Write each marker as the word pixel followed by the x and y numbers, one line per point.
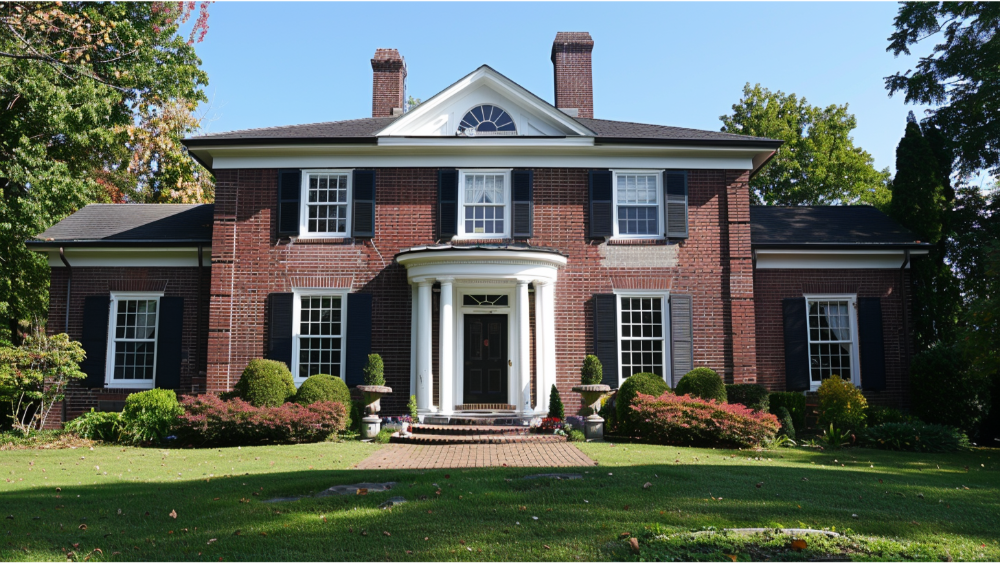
pixel 463 430
pixel 491 438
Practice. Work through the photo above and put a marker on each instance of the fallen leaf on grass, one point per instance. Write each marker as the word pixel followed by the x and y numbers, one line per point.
pixel 634 544
pixel 173 514
pixel 211 541
pixel 799 545
pixel 362 491
pixel 82 526
pixel 647 485
pixel 386 534
pixel 731 556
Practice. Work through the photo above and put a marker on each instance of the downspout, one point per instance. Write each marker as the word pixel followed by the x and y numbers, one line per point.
pixel 197 326
pixel 69 289
pixel 906 316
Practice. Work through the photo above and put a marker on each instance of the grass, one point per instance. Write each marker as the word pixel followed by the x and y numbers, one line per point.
pixel 120 500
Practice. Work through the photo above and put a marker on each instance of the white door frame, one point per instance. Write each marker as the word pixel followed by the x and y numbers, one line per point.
pixel 463 289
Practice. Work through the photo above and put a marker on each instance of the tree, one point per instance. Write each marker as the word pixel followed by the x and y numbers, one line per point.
pixel 34 375
pixel 959 76
pixel 818 163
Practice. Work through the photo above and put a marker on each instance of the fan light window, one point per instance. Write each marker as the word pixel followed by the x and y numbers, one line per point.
pixel 487 120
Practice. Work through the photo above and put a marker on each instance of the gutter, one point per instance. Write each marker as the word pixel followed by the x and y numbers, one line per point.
pixel 841 246
pixel 104 243
pixel 698 142
pixel 246 141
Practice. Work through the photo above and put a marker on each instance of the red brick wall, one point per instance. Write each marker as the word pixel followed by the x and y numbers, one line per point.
pixel 178 282
pixel 249 262
pixel 571 65
pixel 771 286
pixel 388 82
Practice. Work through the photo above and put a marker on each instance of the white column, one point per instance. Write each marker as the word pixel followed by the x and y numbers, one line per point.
pixel 523 348
pixel 446 335
pixel 549 335
pixel 541 328
pixel 424 343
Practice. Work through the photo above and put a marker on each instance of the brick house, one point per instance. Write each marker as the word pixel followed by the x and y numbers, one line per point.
pixel 483 243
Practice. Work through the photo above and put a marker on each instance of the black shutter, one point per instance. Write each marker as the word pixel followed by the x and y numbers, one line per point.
pixel 602 207
pixel 872 347
pixel 676 189
pixel 289 197
pixel 279 323
pixel 796 344
pixel 606 336
pixel 363 214
pixel 168 343
pixel 447 203
pixel 96 317
pixel 681 337
pixel 358 337
pixel 523 190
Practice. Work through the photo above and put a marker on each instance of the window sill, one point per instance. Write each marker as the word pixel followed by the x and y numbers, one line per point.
pixel 322 240
pixel 637 241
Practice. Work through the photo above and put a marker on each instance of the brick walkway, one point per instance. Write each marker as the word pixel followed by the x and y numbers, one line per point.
pixel 412 456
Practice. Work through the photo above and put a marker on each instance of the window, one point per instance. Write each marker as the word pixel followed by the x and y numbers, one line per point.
pixel 487 120
pixel 638 204
pixel 319 345
pixel 484 196
pixel 326 209
pixel 832 342
pixel 641 334
pixel 132 342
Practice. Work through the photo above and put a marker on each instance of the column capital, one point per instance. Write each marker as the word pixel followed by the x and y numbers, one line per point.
pixel 446 280
pixel 425 283
pixel 542 283
pixel 523 283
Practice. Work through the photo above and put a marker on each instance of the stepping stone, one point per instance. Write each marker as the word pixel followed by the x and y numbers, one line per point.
pixel 392 502
pixel 555 476
pixel 282 499
pixel 353 489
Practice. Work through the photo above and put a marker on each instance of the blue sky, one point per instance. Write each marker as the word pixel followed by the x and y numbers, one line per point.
pixel 681 64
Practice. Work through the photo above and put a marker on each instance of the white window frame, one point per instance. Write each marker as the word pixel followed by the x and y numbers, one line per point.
pixel 664 297
pixel 660 196
pixel 109 367
pixel 852 314
pixel 297 295
pixel 304 203
pixel 507 219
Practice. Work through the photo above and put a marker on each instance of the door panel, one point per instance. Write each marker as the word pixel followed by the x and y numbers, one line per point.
pixel 485 350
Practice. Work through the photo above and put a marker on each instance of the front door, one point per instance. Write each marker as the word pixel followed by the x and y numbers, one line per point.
pixel 485 369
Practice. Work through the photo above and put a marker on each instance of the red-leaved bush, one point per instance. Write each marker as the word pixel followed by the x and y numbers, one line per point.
pixel 687 420
pixel 210 421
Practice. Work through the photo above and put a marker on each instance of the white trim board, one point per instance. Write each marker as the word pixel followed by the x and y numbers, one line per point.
pixel 832 259
pixel 131 257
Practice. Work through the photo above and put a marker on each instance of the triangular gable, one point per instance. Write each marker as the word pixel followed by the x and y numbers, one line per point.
pixel 441 115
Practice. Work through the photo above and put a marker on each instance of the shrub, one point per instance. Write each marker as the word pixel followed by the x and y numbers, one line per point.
pixel 411 405
pixel 787 426
pixel 374 371
pixel 149 416
pixel 841 404
pixel 645 383
pixel 384 435
pixel 915 437
pixel 34 376
pixel 576 436
pixel 265 383
pixel 609 413
pixel 592 371
pixel 322 387
pixel 878 414
pixel 691 421
pixel 945 391
pixel 703 383
pixel 210 421
pixel 794 402
pixel 104 426
pixel 575 422
pixel 357 413
pixel 556 409
pixel 750 395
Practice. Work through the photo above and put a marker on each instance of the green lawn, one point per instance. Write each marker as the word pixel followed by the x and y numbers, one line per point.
pixel 124 497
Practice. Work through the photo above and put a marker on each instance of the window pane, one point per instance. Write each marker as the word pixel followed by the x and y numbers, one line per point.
pixel 638 221
pixel 642 335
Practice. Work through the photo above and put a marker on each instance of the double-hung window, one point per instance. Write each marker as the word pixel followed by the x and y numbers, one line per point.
pixel 832 322
pixel 638 204
pixel 318 333
pixel 484 199
pixel 132 340
pixel 641 334
pixel 326 203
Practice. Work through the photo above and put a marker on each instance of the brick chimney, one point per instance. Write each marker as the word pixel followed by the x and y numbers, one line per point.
pixel 388 83
pixel 574 82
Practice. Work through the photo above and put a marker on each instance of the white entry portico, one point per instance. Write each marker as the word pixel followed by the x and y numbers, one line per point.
pixel 482 282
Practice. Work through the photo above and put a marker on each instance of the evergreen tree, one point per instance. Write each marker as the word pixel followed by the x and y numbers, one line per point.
pixel 556 409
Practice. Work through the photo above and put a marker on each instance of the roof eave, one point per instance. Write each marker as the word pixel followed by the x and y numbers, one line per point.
pixel 248 141
pixel 839 246
pixel 773 145
pixel 40 245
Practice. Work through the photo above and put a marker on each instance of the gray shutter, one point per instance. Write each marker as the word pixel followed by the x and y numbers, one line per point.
pixel 681 337
pixel 796 344
pixel 871 344
pixel 279 322
pixel 168 342
pixel 602 208
pixel 606 336
pixel 289 198
pixel 523 192
pixel 363 214
pixel 96 317
pixel 358 337
pixel 675 184
pixel 447 203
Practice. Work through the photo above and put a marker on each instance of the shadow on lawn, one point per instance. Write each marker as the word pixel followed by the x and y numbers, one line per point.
pixel 493 510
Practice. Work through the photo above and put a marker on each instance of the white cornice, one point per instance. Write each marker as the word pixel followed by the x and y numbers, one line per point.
pixel 791 259
pixel 131 257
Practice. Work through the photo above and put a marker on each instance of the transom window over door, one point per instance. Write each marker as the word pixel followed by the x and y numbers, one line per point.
pixel 326 209
pixel 484 204
pixel 832 347
pixel 319 335
pixel 642 340
pixel 638 204
pixel 134 320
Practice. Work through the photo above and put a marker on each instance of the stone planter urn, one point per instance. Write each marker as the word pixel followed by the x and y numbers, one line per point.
pixel 371 424
pixel 593 424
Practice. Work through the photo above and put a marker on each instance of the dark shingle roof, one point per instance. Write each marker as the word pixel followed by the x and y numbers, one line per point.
pixel 351 128
pixel 607 129
pixel 111 224
pixel 841 226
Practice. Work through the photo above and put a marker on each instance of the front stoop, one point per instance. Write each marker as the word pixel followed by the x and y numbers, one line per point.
pixel 468 434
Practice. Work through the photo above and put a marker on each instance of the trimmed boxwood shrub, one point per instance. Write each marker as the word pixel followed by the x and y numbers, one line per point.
pixel 751 395
pixel 915 437
pixel 962 402
pixel 702 383
pixel 794 402
pixel 592 371
pixel 842 405
pixel 374 371
pixel 93 425
pixel 210 421
pixel 684 420
pixel 150 415
pixel 323 387
pixel 787 426
pixel 645 383
pixel 265 383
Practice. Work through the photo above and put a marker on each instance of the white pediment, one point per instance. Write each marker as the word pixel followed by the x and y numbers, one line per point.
pixel 442 115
